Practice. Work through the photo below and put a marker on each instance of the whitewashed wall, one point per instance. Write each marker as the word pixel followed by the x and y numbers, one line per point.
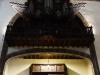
pixel 6 14
pixel 18 66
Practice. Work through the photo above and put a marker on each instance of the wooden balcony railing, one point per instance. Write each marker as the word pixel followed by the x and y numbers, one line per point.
pixel 59 37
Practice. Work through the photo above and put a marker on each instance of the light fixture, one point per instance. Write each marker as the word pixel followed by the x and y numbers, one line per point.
pixel 48 66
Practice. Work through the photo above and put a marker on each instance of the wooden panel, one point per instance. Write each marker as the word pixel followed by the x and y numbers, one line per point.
pixel 48 68
pixel 36 68
pixel 60 68
pixel 52 68
pixel 44 68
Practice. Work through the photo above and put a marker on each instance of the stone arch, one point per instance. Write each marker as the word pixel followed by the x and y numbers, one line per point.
pixel 14 19
pixel 41 50
pixel 78 14
pixel 83 19
pixel 38 50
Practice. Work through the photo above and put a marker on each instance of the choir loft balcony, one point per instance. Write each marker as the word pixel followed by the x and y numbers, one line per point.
pixel 40 33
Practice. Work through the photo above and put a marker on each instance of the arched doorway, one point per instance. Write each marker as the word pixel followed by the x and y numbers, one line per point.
pixel 77 62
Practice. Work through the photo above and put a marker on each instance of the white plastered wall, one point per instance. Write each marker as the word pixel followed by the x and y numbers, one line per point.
pixel 17 66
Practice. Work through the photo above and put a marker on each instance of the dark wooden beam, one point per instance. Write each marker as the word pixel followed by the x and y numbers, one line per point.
pixel 94 59
pixel 3 57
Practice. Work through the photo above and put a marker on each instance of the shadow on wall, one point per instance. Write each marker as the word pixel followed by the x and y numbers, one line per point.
pixel 71 72
pixel 24 72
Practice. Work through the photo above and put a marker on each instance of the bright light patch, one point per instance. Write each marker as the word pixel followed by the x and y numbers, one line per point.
pixel 3 31
pixel 91 22
pixel 94 31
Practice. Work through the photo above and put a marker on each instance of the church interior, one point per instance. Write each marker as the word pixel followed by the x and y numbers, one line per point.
pixel 49 37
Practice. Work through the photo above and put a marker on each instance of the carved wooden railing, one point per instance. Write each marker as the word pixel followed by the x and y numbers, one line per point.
pixel 59 37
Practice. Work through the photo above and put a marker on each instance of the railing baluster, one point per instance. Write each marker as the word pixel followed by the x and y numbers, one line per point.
pixel 20 37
